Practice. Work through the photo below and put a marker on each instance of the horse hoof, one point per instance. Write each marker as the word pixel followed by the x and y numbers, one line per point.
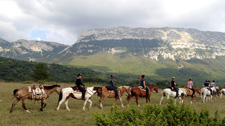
pixel 83 109
pixel 139 106
pixel 68 110
pixel 28 111
pixel 57 109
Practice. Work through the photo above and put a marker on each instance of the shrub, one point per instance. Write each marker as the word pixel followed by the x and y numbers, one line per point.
pixel 156 115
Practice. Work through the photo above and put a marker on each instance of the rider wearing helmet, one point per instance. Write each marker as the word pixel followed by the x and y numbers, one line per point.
pixel 80 85
pixel 142 84
pixel 190 86
pixel 173 86
pixel 114 87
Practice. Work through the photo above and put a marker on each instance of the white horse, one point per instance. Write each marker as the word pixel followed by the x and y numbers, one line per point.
pixel 168 92
pixel 68 92
pixel 222 92
pixel 204 93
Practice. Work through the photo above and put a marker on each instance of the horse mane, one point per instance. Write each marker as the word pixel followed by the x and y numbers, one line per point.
pixel 99 90
pixel 52 86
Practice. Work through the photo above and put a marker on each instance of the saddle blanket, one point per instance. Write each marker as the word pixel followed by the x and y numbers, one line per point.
pixel 141 88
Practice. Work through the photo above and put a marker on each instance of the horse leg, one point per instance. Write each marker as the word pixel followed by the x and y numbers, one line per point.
pixel 192 98
pixel 148 100
pixel 137 101
pixel 43 104
pixel 129 98
pixel 13 104
pixel 66 103
pixel 100 101
pixel 161 100
pixel 85 102
pixel 121 102
pixel 60 102
pixel 90 103
pixel 24 105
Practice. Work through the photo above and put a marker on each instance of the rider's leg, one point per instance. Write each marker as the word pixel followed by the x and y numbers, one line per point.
pixel 147 92
pixel 193 92
pixel 116 93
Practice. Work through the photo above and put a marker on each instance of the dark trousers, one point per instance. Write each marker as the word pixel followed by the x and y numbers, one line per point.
pixel 193 91
pixel 176 89
pixel 82 89
pixel 116 92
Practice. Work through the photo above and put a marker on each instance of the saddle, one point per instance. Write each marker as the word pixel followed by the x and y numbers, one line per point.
pixel 76 90
pixel 141 88
pixel 110 89
pixel 172 89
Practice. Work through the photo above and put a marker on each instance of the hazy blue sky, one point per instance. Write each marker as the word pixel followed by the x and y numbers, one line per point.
pixel 64 20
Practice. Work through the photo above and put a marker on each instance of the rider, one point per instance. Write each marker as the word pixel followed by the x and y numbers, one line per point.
pixel 114 87
pixel 173 86
pixel 142 84
pixel 207 85
pixel 190 86
pixel 80 85
pixel 213 84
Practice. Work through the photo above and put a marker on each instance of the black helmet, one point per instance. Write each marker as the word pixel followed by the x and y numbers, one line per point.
pixel 111 76
pixel 79 74
pixel 142 76
pixel 213 81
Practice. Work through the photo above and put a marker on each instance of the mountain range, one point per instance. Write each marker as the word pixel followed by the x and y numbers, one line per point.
pixel 159 53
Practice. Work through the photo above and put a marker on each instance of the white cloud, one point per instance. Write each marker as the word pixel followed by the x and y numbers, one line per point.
pixel 66 20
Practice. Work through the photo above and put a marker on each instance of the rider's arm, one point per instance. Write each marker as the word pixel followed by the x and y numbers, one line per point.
pixel 174 83
pixel 144 83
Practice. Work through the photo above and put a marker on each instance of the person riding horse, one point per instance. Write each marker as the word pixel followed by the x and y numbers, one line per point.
pixel 114 87
pixel 190 86
pixel 213 84
pixel 173 86
pixel 207 85
pixel 142 84
pixel 80 85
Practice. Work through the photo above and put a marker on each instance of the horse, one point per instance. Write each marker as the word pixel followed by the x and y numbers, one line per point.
pixel 204 93
pixel 190 92
pixel 215 91
pixel 222 92
pixel 68 92
pixel 168 92
pixel 104 93
pixel 23 94
pixel 137 92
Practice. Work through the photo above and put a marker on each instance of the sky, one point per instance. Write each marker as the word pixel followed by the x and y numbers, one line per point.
pixel 63 21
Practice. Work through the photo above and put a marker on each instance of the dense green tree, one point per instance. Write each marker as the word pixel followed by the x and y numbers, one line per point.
pixel 40 72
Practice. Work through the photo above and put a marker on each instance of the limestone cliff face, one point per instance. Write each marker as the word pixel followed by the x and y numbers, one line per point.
pixel 154 43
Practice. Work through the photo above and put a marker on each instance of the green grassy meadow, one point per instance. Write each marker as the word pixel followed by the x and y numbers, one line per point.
pixel 78 117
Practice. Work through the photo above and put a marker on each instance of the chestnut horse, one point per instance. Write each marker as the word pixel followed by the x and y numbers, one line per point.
pixel 104 93
pixel 23 94
pixel 137 92
pixel 189 93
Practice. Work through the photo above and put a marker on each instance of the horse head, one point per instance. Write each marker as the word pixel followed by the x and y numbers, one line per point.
pixel 154 87
pixel 126 89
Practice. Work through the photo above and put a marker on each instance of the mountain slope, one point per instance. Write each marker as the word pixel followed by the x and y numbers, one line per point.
pixel 29 49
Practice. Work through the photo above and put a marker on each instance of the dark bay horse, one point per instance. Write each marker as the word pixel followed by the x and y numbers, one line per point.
pixel 23 94
pixel 104 93
pixel 137 92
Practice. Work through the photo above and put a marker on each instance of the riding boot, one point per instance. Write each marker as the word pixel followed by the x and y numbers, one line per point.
pixel 83 95
pixel 116 95
pixel 147 93
pixel 176 94
pixel 211 91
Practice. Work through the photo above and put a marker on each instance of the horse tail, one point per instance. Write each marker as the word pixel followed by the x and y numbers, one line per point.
pixel 14 92
pixel 60 96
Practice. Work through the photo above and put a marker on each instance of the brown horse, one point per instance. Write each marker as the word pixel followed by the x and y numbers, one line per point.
pixel 137 92
pixel 189 93
pixel 104 93
pixel 23 94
